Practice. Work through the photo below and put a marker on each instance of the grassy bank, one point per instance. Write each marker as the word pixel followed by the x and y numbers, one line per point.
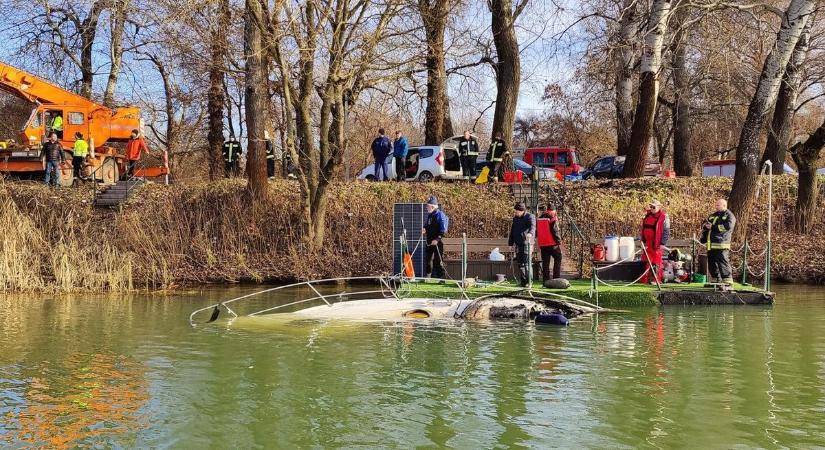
pixel 174 235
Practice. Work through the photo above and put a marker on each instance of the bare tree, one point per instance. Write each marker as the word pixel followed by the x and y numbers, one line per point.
pixel 437 123
pixel 648 89
pixel 805 155
pixel 779 133
pixel 119 12
pixel 624 55
pixel 683 155
pixel 215 96
pixel 256 97
pixel 748 154
pixel 508 65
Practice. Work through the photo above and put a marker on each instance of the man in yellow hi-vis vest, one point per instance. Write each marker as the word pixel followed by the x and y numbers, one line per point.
pixel 716 235
pixel 56 124
pixel 79 153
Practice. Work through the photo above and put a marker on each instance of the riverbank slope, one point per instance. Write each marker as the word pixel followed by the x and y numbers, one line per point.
pixel 173 235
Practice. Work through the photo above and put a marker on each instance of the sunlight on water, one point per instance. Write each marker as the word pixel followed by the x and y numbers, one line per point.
pixel 131 372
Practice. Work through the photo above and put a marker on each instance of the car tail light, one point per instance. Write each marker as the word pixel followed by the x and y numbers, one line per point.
pixel 439 159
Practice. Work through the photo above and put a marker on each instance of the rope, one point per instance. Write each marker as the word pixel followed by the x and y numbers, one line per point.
pixel 629 258
pixel 756 275
pixel 621 285
pixel 764 251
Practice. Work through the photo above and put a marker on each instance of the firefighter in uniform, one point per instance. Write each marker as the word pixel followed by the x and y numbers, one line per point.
pixel 655 233
pixel 468 149
pixel 716 234
pixel 495 154
pixel 231 157
pixel 270 159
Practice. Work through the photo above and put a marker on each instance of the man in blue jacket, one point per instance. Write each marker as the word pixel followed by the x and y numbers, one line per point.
pixel 381 149
pixel 399 151
pixel 435 227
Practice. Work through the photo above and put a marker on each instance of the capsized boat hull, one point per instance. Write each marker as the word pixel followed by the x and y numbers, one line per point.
pixel 417 308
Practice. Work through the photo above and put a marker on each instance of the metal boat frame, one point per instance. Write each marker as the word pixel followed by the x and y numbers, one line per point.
pixel 388 289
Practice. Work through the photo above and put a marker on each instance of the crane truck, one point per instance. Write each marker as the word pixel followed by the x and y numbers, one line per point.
pixel 100 125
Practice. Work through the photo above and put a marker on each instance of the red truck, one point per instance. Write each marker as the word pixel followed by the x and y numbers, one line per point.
pixel 563 159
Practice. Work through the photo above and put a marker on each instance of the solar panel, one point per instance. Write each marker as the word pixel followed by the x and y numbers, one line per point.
pixel 408 217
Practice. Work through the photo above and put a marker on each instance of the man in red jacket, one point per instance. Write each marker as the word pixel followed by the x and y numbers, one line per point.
pixel 655 234
pixel 549 242
pixel 134 148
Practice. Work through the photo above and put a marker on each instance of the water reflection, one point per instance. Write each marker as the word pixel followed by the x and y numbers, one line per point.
pixel 130 372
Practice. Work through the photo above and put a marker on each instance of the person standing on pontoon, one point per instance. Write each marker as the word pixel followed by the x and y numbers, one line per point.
pixel 655 232
pixel 435 227
pixel 521 237
pixel 716 235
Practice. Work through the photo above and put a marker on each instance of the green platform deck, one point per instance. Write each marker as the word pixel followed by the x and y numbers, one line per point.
pixel 609 297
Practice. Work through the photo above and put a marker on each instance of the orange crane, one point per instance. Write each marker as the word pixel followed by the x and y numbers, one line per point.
pixel 99 125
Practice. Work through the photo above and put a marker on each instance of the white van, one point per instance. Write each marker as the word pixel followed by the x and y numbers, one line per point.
pixel 424 163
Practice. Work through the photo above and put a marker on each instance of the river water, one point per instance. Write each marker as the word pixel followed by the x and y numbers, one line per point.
pixel 126 372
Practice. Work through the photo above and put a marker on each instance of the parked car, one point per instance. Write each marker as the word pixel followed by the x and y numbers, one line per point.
pixel 562 159
pixel 613 167
pixel 424 163
pixel 727 167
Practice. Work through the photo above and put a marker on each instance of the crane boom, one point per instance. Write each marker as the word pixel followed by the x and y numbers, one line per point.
pixel 36 89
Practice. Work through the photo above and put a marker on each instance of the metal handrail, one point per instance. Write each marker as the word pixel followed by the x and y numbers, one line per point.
pixel 380 279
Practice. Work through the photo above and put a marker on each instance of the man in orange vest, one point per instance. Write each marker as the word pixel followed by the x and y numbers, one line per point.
pixel 549 242
pixel 134 149
pixel 655 234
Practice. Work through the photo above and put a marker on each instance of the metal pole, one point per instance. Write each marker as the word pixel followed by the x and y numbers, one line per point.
pixel 745 263
pixel 767 284
pixel 463 258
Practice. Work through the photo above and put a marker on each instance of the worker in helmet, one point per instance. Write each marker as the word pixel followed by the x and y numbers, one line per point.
pixel 79 153
pixel 435 227
pixel 495 155
pixel 134 149
pixel 232 157
pixel 522 231
pixel 56 124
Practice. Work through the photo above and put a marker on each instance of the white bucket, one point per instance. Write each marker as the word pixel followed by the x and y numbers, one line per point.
pixel 611 248
pixel 627 247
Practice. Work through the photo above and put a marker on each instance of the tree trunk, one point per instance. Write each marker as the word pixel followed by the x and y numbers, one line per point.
pixel 434 15
pixel 779 133
pixel 88 32
pixel 119 13
pixel 215 95
pixel 683 156
pixel 625 58
pixel 748 153
pixel 508 67
pixel 256 97
pixel 634 165
pixel 806 155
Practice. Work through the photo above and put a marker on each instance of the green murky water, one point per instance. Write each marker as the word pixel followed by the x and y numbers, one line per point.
pixel 108 372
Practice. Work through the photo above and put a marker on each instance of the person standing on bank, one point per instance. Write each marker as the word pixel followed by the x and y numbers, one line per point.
pixel 717 232
pixel 655 232
pixel 52 156
pixel 231 157
pixel 134 149
pixel 435 227
pixel 521 237
pixel 381 149
pixel 495 154
pixel 399 151
pixel 468 149
pixel 79 152
pixel 549 242
pixel 270 159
